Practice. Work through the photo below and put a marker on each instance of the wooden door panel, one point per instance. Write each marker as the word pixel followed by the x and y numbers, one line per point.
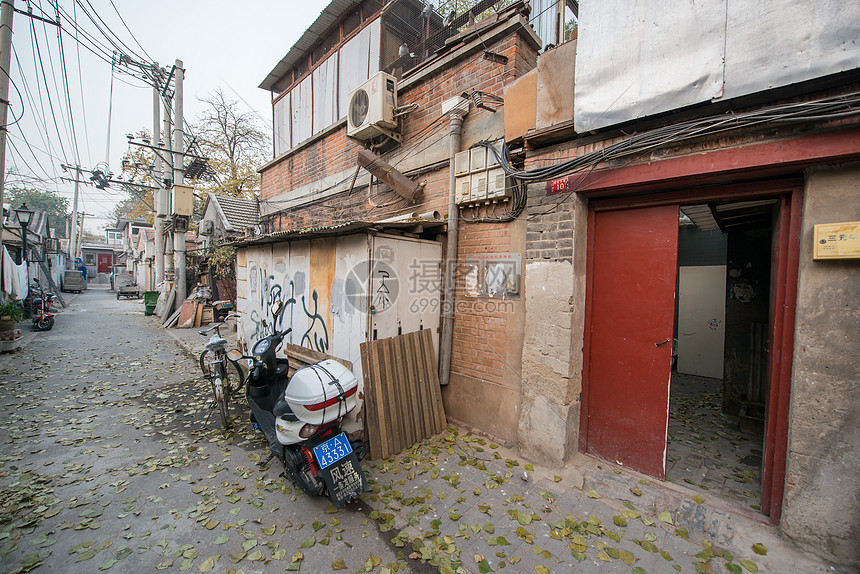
pixel 633 258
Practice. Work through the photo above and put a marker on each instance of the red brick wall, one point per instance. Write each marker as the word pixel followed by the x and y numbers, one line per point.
pixel 335 153
pixel 480 324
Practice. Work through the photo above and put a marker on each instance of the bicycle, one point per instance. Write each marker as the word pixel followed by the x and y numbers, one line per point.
pixel 214 364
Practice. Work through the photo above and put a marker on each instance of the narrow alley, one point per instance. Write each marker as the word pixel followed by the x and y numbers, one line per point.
pixel 109 462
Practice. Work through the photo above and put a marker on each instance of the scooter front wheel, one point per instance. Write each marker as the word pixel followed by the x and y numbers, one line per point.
pixel 45 324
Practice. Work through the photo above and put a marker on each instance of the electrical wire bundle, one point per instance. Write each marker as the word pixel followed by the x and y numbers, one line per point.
pixel 513 210
pixel 822 109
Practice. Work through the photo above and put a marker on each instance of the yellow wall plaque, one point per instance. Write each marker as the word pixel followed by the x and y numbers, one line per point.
pixel 837 241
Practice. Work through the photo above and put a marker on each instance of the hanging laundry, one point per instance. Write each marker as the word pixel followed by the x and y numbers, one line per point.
pixel 15 278
pixel 6 272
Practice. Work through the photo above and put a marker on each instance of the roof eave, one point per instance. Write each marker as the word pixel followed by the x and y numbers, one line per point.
pixel 324 21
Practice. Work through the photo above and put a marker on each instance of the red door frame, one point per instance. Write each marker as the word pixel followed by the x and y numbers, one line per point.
pixel 782 352
pixel 789 192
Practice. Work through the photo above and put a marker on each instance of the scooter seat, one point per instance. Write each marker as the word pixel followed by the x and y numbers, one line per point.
pixel 282 409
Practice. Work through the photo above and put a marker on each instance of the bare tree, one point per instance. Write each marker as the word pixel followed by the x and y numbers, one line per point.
pixel 235 144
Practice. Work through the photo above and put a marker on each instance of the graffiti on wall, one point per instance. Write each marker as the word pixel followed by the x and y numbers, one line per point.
pixel 268 292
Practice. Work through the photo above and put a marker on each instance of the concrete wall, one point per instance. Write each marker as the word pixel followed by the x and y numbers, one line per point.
pixel 822 499
pixel 555 317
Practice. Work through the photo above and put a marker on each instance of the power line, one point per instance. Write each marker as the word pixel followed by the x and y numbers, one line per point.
pixel 65 75
pixel 40 66
pixel 129 30
pixel 81 88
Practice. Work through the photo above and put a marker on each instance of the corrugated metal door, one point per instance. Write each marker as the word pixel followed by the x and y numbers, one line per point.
pixel 631 308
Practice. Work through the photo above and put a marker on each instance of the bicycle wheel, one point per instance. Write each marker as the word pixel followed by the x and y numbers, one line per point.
pixel 204 364
pixel 234 378
pixel 222 398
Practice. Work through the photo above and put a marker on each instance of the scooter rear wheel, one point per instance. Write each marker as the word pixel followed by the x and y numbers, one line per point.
pixel 45 324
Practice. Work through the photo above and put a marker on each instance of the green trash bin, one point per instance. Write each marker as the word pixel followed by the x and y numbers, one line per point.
pixel 150 300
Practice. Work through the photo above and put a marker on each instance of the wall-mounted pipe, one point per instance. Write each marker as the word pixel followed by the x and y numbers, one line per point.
pixel 446 344
pixel 426 216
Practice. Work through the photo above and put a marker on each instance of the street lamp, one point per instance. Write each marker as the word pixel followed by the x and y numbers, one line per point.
pixel 24 215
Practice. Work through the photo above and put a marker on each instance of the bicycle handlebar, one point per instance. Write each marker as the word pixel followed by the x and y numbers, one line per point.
pixel 217 326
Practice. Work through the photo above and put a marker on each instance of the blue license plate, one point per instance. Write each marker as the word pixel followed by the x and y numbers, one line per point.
pixel 332 450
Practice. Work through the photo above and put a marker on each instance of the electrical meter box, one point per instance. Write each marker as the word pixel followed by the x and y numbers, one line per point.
pixel 478 159
pixel 464 189
pixel 479 186
pixel 162 202
pixel 492 162
pixel 461 163
pixel 496 187
pixel 183 199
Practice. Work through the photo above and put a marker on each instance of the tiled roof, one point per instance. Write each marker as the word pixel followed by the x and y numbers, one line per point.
pixel 100 246
pixel 239 212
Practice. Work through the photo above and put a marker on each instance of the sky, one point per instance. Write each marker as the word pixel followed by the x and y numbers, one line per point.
pixel 226 45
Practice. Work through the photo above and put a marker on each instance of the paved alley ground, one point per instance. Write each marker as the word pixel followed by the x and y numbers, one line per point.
pixel 108 463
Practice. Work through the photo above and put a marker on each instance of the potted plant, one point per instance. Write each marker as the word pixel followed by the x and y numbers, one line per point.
pixel 11 313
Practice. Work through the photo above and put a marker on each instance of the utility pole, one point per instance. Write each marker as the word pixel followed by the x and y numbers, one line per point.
pixel 180 224
pixel 81 235
pixel 159 193
pixel 7 10
pixel 167 255
pixel 73 243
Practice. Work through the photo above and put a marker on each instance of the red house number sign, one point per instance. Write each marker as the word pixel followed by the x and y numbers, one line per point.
pixel 558 186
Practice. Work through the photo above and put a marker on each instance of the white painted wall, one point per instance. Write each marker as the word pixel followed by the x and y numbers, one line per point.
pixel 701 320
pixel 643 57
pixel 354 281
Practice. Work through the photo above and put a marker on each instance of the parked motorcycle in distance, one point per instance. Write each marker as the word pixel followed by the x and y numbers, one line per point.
pixel 301 419
pixel 40 305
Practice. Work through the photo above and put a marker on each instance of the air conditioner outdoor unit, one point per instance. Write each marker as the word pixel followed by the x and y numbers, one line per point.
pixel 206 227
pixel 371 107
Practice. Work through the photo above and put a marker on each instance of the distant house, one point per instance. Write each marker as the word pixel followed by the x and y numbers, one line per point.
pixel 99 258
pixel 46 256
pixel 226 218
pixel 144 259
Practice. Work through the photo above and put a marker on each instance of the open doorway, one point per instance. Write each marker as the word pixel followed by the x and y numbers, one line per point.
pixel 719 370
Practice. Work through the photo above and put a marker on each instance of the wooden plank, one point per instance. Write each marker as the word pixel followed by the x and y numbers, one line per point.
pixel 372 422
pixel 307 356
pixel 420 403
pixel 433 378
pixel 403 401
pixel 186 314
pixel 428 403
pixel 384 428
pixel 391 396
pixel 388 416
pixel 401 184
pixel 401 384
pixel 198 314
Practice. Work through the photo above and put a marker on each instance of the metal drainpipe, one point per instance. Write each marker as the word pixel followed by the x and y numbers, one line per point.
pixel 447 343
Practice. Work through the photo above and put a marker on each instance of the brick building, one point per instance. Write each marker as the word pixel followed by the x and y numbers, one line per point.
pixel 655 226
pixel 321 216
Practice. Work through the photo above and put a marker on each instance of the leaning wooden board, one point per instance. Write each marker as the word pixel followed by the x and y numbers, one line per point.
pixel 402 398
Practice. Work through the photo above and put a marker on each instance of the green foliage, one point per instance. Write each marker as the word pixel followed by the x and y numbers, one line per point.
pixel 56 207
pixel 223 261
pixel 13 310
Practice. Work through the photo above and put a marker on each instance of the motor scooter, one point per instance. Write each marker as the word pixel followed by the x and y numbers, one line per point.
pixel 40 305
pixel 301 418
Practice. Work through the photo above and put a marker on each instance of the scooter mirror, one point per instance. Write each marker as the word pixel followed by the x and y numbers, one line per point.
pixel 279 306
pixel 234 355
